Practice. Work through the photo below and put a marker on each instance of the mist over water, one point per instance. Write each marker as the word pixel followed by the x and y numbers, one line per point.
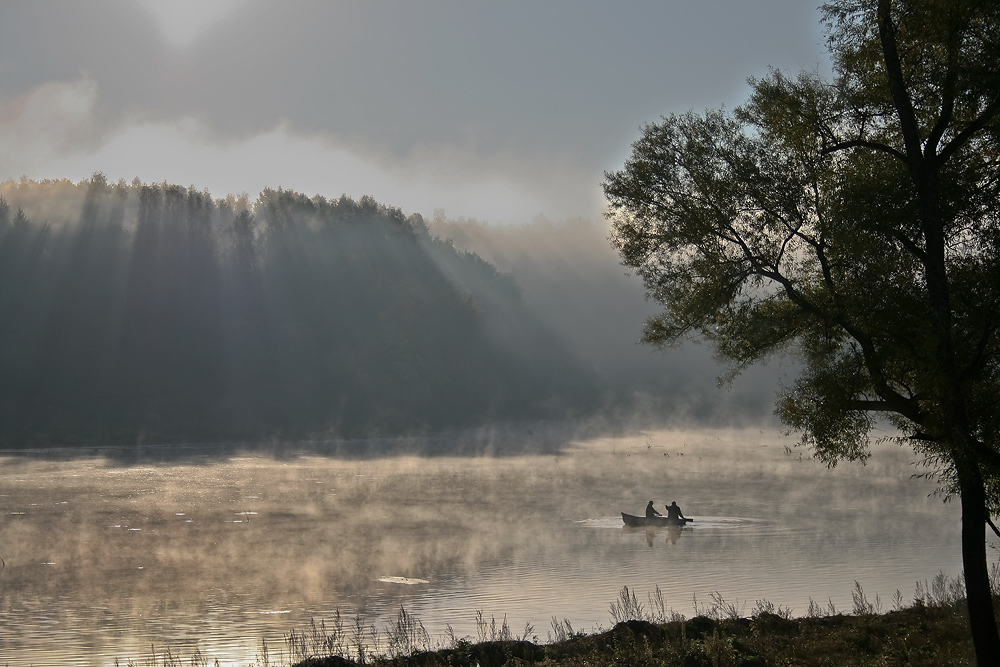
pixel 223 417
pixel 104 560
pixel 440 416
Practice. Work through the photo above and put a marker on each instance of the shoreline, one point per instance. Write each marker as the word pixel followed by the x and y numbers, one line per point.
pixel 918 635
pixel 932 631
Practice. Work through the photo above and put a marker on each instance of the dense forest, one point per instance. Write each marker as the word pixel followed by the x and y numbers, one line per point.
pixel 155 313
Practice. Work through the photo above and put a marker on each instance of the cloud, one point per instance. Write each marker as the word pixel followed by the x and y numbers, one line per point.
pixel 55 131
pixel 182 22
pixel 49 120
pixel 499 111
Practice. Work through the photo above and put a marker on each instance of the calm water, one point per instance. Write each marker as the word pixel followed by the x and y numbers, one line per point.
pixel 105 560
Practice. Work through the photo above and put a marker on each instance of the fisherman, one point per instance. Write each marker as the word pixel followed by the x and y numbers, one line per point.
pixel 651 511
pixel 673 512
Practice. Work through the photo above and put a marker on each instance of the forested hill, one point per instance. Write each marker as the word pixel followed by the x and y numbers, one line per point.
pixel 155 313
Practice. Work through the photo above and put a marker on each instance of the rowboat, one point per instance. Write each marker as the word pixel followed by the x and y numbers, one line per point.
pixel 655 521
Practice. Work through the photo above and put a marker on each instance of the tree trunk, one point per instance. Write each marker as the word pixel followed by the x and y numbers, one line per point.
pixel 985 636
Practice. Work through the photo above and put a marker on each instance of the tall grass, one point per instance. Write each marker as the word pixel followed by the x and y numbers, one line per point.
pixel 407 635
pixel 319 640
pixel 628 608
pixel 358 640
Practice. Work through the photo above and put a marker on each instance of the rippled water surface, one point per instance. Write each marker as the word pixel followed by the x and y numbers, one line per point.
pixel 106 560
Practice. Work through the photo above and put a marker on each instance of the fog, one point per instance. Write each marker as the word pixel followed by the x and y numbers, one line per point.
pixel 173 322
pixel 252 373
pixel 142 313
pixel 105 560
pixel 156 314
pixel 574 282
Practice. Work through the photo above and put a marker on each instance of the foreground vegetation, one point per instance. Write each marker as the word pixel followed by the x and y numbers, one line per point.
pixel 916 636
pixel 932 631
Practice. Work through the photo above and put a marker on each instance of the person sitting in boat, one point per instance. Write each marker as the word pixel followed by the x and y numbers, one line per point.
pixel 651 511
pixel 674 512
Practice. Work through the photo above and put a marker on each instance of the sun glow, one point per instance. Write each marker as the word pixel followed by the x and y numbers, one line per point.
pixel 183 21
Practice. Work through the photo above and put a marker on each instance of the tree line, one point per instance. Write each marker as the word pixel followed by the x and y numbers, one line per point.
pixel 155 313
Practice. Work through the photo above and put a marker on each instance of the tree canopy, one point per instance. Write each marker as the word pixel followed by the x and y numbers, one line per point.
pixel 853 222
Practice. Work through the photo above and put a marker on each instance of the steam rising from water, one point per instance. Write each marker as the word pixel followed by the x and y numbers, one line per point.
pixel 103 560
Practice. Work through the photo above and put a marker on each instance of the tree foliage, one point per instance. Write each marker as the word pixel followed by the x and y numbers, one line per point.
pixel 852 221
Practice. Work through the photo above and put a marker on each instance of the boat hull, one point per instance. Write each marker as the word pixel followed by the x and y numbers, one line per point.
pixel 653 521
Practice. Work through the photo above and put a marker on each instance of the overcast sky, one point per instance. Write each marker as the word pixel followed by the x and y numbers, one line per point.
pixel 501 110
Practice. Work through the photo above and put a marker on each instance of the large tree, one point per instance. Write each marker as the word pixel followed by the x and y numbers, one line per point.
pixel 853 221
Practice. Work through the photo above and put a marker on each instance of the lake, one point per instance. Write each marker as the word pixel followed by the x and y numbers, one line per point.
pixel 111 559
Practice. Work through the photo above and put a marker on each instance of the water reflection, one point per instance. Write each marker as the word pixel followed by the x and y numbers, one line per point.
pixel 104 560
pixel 671 533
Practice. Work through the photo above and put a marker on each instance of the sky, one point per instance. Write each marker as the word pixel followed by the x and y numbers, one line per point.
pixel 505 112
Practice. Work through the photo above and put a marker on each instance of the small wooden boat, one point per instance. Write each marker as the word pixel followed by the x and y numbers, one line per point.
pixel 654 521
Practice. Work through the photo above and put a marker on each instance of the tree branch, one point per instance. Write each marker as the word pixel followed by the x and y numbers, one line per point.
pixel 992 525
pixel 897 86
pixel 979 356
pixel 864 143
pixel 870 406
pixel 989 113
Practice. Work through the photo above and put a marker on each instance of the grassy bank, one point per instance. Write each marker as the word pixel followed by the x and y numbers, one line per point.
pixel 931 631
pixel 919 635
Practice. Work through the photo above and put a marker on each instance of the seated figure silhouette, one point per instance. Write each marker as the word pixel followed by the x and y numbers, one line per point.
pixel 674 512
pixel 651 511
